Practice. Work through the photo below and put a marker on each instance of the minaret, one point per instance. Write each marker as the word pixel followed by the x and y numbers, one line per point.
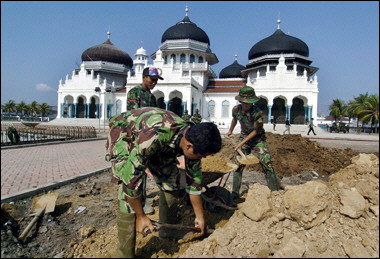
pixel 141 59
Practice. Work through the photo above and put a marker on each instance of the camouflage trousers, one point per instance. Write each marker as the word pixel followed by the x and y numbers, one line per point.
pixel 260 150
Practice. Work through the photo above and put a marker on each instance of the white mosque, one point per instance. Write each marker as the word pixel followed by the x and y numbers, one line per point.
pixel 278 69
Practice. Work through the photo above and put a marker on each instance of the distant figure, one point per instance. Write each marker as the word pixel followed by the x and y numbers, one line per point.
pixel 311 127
pixel 273 121
pixel 186 117
pixel 197 118
pixel 287 126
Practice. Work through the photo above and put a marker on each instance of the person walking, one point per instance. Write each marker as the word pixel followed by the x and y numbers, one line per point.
pixel 141 96
pixel 153 138
pixel 252 138
pixel 287 126
pixel 273 121
pixel 311 127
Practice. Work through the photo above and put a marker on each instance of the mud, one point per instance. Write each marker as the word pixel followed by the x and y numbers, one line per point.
pixel 92 233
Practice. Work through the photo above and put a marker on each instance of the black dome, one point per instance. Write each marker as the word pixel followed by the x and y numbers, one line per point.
pixel 279 43
pixel 185 29
pixel 232 71
pixel 107 52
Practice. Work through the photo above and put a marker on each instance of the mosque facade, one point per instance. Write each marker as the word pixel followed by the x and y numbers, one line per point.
pixel 279 69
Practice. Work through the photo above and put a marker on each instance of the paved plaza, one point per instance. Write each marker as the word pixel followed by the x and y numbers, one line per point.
pixel 29 170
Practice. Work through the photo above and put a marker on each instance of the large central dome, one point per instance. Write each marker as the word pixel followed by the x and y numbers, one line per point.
pixel 107 52
pixel 185 29
pixel 279 43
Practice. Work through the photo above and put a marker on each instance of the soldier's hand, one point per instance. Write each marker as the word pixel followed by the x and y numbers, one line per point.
pixel 143 224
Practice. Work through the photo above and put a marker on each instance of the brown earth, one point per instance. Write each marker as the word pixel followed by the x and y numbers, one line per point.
pixel 92 232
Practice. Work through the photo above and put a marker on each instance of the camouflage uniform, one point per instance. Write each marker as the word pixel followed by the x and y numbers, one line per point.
pixel 148 138
pixel 137 98
pixel 186 117
pixel 257 144
pixel 196 118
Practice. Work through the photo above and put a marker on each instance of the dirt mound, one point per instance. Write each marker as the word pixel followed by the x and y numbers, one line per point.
pixel 315 219
pixel 294 154
pixel 91 233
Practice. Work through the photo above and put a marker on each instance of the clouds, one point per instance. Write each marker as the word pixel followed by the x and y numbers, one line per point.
pixel 44 88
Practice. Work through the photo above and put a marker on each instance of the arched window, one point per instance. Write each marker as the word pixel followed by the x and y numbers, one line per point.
pixel 225 108
pixel 166 60
pixel 173 56
pixel 192 58
pixel 118 106
pixel 211 109
pixel 200 60
pixel 182 58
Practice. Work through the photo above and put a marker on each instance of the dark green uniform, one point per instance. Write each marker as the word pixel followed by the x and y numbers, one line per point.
pixel 137 97
pixel 148 138
pixel 186 117
pixel 196 118
pixel 257 145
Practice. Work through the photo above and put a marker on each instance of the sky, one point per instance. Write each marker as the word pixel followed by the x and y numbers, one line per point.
pixel 42 42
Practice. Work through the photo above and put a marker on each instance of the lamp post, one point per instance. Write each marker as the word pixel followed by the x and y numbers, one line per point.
pixel 97 89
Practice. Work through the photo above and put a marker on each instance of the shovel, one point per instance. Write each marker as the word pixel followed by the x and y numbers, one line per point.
pixel 243 159
pixel 159 226
pixel 40 206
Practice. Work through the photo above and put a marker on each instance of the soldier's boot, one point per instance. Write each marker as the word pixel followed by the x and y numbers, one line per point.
pixel 168 214
pixel 236 184
pixel 126 232
pixel 272 181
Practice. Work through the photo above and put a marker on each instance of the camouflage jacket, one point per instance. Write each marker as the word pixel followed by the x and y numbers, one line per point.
pixel 197 118
pixel 137 97
pixel 247 121
pixel 186 117
pixel 149 138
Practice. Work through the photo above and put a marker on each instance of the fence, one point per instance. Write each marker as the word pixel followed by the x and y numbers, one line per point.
pixel 42 133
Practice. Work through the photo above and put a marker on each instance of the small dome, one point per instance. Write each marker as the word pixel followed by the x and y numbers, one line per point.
pixel 141 51
pixel 232 71
pixel 185 29
pixel 278 43
pixel 107 52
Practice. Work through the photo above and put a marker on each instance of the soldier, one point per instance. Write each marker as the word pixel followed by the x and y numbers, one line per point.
pixel 138 97
pixel 252 138
pixel 186 117
pixel 197 118
pixel 153 138
pixel 13 135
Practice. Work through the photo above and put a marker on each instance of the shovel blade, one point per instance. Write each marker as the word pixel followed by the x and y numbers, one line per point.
pixel 46 201
pixel 248 160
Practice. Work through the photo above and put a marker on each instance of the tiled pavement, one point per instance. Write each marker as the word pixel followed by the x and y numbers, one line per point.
pixel 30 169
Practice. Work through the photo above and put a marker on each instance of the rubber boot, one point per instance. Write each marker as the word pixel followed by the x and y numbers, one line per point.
pixel 236 183
pixel 272 181
pixel 126 231
pixel 168 214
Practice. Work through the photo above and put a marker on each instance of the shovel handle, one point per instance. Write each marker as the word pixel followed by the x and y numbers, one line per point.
pixel 30 225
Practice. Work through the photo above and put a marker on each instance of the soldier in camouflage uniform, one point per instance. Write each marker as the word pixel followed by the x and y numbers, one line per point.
pixel 197 118
pixel 186 117
pixel 13 135
pixel 139 97
pixel 252 138
pixel 153 138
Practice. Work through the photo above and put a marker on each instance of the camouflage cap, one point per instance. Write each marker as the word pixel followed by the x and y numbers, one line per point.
pixel 247 95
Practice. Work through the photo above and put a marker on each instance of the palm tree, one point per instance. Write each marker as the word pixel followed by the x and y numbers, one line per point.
pixel 359 101
pixel 9 107
pixel 44 109
pixel 34 107
pixel 369 111
pixel 337 109
pixel 21 107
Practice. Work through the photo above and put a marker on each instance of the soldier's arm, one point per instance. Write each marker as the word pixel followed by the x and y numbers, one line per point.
pixel 257 128
pixel 133 100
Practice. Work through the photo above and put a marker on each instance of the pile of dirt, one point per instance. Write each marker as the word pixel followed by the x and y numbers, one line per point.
pixel 71 232
pixel 338 219
pixel 294 154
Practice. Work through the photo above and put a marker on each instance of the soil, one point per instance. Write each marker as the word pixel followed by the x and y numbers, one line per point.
pixel 83 223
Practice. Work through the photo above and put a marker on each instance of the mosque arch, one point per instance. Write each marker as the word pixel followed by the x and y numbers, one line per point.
pixel 94 106
pixel 160 99
pixel 68 106
pixel 211 109
pixel 175 102
pixel 119 103
pixel 279 109
pixel 192 58
pixel 80 107
pixel 262 103
pixel 225 109
pixel 182 58
pixel 297 111
pixel 173 57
